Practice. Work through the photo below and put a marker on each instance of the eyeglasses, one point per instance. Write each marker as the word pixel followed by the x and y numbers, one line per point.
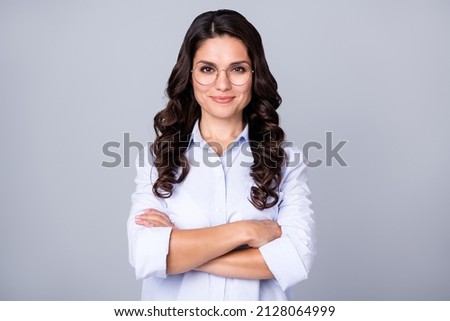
pixel 207 74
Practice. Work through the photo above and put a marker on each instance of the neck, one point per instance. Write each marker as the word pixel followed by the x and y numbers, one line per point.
pixel 220 130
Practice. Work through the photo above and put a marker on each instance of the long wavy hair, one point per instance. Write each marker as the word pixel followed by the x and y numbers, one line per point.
pixel 173 125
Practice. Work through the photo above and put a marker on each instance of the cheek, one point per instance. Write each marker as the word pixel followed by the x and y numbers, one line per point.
pixel 246 94
pixel 199 93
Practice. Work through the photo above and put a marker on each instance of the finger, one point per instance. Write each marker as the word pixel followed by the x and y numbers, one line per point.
pixel 154 220
pixel 144 223
pixel 156 216
pixel 150 223
pixel 155 212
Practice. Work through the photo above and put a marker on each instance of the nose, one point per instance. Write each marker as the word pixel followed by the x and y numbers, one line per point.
pixel 222 82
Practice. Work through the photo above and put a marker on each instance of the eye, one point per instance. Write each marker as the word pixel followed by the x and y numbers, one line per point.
pixel 239 69
pixel 207 69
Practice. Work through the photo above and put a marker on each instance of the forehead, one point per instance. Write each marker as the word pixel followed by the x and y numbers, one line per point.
pixel 224 50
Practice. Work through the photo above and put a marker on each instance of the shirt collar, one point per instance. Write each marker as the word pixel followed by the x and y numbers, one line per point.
pixel 196 136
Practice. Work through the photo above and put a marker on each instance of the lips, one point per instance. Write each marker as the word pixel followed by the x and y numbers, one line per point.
pixel 222 99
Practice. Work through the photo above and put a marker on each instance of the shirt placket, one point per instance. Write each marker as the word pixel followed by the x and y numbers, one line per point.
pixel 219 195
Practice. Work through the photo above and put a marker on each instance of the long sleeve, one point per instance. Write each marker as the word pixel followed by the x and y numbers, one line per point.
pixel 290 257
pixel 148 247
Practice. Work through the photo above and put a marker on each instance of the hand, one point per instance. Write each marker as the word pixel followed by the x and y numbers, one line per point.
pixel 153 218
pixel 262 232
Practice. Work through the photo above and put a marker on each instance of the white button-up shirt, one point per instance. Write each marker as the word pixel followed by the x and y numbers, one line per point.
pixel 216 191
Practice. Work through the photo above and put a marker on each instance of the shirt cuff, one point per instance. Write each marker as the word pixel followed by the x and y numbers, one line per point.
pixel 150 252
pixel 284 262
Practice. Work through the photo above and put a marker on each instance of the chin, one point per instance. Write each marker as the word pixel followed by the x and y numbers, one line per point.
pixel 223 115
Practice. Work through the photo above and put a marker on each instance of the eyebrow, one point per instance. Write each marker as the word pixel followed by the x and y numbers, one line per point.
pixel 231 64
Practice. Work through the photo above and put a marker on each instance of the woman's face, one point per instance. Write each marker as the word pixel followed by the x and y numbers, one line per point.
pixel 222 99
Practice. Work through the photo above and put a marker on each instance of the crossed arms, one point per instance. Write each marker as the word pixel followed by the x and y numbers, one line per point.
pixel 212 249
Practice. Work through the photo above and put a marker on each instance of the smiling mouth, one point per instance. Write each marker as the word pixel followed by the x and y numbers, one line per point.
pixel 222 99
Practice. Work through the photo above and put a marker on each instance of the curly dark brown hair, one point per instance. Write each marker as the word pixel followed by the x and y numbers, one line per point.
pixel 173 125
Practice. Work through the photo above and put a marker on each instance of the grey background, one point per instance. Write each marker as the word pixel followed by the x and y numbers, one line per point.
pixel 77 74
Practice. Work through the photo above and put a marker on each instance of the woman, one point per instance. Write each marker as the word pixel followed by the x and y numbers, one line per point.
pixel 221 211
